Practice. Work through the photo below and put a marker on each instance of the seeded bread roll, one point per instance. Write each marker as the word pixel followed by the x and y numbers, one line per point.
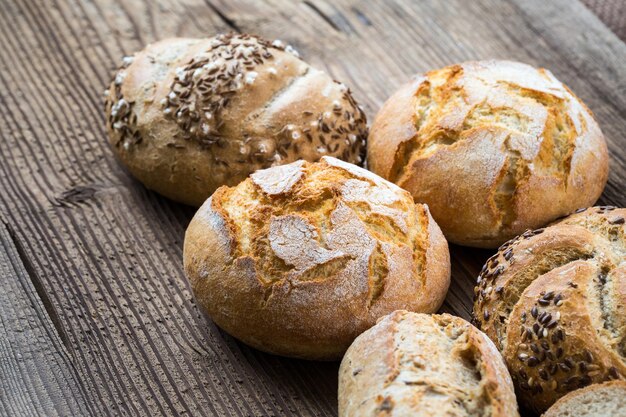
pixel 300 259
pixel 424 366
pixel 493 147
pixel 189 115
pixel 553 301
pixel 598 400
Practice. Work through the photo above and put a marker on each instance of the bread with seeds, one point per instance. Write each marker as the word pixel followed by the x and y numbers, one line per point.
pixel 493 147
pixel 299 259
pixel 598 400
pixel 424 365
pixel 553 300
pixel 189 115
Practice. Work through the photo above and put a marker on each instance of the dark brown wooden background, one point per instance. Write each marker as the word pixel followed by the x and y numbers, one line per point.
pixel 96 317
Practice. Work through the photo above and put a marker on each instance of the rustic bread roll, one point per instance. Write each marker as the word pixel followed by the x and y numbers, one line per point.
pixel 424 365
pixel 300 259
pixel 553 300
pixel 598 400
pixel 493 147
pixel 188 115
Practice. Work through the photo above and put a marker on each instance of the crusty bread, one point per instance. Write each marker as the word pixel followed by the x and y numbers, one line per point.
pixel 189 115
pixel 493 147
pixel 553 301
pixel 424 365
pixel 300 259
pixel 598 400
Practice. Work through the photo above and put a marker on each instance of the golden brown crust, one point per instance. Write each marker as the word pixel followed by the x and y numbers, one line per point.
pixel 299 259
pixel 189 115
pixel 553 300
pixel 493 147
pixel 424 365
pixel 597 400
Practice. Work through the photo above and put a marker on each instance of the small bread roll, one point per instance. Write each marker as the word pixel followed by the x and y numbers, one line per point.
pixel 189 115
pixel 553 301
pixel 300 259
pixel 493 147
pixel 598 400
pixel 424 365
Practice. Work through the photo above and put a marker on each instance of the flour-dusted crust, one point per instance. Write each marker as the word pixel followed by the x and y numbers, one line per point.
pixel 493 147
pixel 189 115
pixel 423 365
pixel 598 400
pixel 553 301
pixel 300 259
pixel 280 179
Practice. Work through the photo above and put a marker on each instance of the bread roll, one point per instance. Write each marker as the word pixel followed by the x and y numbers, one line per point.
pixel 300 259
pixel 493 147
pixel 424 366
pixel 189 115
pixel 553 300
pixel 598 400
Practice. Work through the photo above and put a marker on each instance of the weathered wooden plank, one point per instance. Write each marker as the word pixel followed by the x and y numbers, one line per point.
pixel 37 376
pixel 108 252
pixel 612 13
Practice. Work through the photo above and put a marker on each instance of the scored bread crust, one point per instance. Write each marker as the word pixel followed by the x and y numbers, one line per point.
pixel 189 115
pixel 424 365
pixel 493 147
pixel 553 299
pixel 607 399
pixel 300 259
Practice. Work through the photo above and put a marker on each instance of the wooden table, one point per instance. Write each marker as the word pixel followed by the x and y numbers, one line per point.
pixel 96 316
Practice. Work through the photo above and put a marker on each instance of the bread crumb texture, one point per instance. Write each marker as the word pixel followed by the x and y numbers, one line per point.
pixel 424 365
pixel 553 301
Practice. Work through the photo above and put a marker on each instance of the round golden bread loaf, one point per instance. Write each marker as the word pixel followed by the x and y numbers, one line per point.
pixel 493 147
pixel 554 302
pixel 598 400
pixel 189 115
pixel 424 365
pixel 300 259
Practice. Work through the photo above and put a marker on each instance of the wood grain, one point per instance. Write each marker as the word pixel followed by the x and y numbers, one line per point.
pixel 91 270
pixel 612 13
pixel 38 376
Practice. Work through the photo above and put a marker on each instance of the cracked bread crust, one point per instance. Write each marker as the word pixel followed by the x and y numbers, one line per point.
pixel 553 301
pixel 424 365
pixel 493 147
pixel 189 115
pixel 300 259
